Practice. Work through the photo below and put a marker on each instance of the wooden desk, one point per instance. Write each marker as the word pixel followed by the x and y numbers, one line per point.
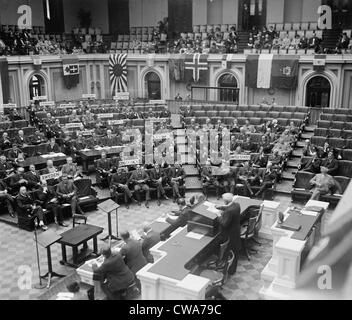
pixel 88 156
pixel 40 162
pixel 75 237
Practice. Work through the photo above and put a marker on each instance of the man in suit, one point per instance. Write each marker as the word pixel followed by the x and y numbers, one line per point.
pixel 244 175
pixel 15 154
pixel 20 139
pixel 18 180
pixel 27 206
pixel 176 175
pixel 119 183
pixel 115 276
pixel 66 192
pixel 182 217
pixel 79 143
pixel 37 138
pixel 230 226
pixel 157 180
pixel 165 113
pixel 331 164
pixel 5 141
pixel 322 183
pixel 132 253
pixel 70 168
pixel 150 239
pixel 208 179
pixel 5 197
pixel 33 177
pixel 187 113
pixel 52 147
pixel 47 198
pixel 139 179
pixel 311 164
pixel 267 179
pixel 260 160
pixel 104 169
pixel 6 168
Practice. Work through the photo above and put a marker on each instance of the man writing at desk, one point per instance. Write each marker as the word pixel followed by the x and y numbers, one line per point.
pixel 182 217
pixel 115 276
pixel 230 226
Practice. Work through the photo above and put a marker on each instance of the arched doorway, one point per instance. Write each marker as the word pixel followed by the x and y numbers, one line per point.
pixel 230 91
pixel 36 86
pixel 318 92
pixel 153 86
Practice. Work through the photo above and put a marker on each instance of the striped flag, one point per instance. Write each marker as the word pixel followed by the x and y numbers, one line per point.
pixel 272 71
pixel 4 81
pixel 319 62
pixel 118 72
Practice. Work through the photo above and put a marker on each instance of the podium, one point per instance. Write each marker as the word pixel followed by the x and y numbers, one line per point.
pixel 46 240
pixel 108 207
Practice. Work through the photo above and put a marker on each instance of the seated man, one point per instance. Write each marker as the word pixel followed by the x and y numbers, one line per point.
pixel 208 180
pixel 79 143
pixel 27 206
pixel 88 120
pixel 331 164
pixel 119 181
pixel 74 117
pixel 20 139
pixel 207 126
pixel 52 147
pixel 150 239
pixel 50 169
pixel 244 176
pixel 165 113
pixel 70 168
pixel 37 138
pixel 176 175
pixel 182 217
pixel 311 164
pixel 132 253
pixel 104 169
pixel 49 120
pixel 47 198
pixel 260 160
pixel 267 179
pixel 5 197
pixel 115 276
pixel 33 177
pixel 5 142
pixel 321 183
pixel 6 168
pixel 139 179
pixel 193 125
pixel 187 113
pixel 18 180
pixel 248 145
pixel 66 192
pixel 15 154
pixel 158 180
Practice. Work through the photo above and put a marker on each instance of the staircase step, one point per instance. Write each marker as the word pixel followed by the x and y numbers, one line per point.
pixel 284 187
pixel 193 183
pixel 293 163
pixel 297 153
pixel 309 128
pixel 289 174
pixel 190 170
pixel 307 135
pixel 300 144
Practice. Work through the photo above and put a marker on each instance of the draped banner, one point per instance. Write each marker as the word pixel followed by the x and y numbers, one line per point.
pixel 70 69
pixel 272 71
pixel 4 81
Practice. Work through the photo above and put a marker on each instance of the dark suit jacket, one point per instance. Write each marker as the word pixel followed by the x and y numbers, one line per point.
pixel 149 241
pixel 332 165
pixel 134 258
pixel 104 164
pixel 119 178
pixel 55 148
pixel 115 272
pixel 33 178
pixel 24 204
pixel 17 139
pixel 181 221
pixel 135 176
pixel 62 188
pixel 175 173
pixel 154 175
pixel 230 226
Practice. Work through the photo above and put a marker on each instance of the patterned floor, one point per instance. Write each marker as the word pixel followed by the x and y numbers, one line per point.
pixel 19 272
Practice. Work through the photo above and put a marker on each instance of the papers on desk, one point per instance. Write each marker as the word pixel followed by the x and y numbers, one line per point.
pixel 161 220
pixel 53 155
pixel 65 296
pixel 211 207
pixel 98 148
pixel 84 198
pixel 208 204
pixel 86 149
pixel 309 213
pixel 194 235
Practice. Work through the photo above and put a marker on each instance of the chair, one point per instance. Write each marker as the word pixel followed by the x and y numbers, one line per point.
pixel 217 260
pixel 247 234
pixel 78 219
pixel 301 186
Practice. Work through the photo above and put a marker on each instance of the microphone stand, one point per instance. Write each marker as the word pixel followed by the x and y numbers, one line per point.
pixel 39 285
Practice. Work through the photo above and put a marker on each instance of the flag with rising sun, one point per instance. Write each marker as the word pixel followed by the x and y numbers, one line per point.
pixel 118 72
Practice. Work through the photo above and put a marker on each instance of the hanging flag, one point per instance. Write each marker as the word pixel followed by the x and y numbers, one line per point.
pixel 70 69
pixel 177 69
pixel 319 62
pixel 118 72
pixel 4 81
pixel 226 61
pixel 269 71
pixel 47 4
pixel 195 65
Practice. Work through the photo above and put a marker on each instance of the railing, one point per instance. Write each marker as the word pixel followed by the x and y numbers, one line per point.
pixel 218 94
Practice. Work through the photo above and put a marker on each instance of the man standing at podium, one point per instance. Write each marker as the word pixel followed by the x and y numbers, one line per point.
pixel 230 226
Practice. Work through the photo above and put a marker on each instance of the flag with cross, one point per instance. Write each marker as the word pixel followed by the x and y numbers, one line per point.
pixel 196 67
pixel 70 68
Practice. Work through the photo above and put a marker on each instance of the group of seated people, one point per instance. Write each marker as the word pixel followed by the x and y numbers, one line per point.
pixel 214 43
pixel 28 193
pixel 270 39
pixel 315 157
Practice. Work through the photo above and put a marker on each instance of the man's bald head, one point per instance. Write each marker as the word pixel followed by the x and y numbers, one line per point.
pixel 227 197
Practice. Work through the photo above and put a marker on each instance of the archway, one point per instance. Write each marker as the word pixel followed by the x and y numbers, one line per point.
pixel 36 86
pixel 152 86
pixel 230 91
pixel 318 92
